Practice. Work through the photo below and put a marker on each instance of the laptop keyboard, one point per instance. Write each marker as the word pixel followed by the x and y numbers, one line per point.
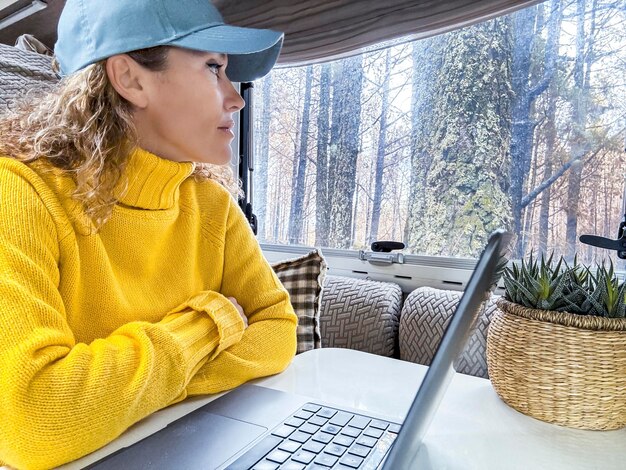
pixel 320 437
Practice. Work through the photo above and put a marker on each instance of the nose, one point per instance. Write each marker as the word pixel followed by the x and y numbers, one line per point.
pixel 233 101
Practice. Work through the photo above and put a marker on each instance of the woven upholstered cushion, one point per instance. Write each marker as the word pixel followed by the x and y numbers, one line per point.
pixel 303 278
pixel 360 314
pixel 20 72
pixel 425 315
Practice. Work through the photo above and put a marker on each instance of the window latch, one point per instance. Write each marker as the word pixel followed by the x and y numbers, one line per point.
pixel 381 258
pixel 381 253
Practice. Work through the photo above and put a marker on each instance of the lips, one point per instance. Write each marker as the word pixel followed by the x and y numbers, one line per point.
pixel 227 126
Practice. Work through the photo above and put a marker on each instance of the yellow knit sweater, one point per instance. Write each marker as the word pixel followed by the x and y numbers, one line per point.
pixel 99 330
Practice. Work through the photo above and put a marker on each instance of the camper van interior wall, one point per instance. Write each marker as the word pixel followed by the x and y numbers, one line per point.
pixel 555 346
pixel 12 11
pixel 33 7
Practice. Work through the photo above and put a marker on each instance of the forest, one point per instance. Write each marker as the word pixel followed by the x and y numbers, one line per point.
pixel 517 122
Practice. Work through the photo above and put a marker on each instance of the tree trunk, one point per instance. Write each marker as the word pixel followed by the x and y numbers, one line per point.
pixel 551 55
pixel 262 160
pixel 298 187
pixel 426 56
pixel 337 104
pixel 550 135
pixel 468 181
pixel 345 149
pixel 322 204
pixel 380 154
pixel 525 92
pixel 276 220
pixel 521 123
pixel 580 146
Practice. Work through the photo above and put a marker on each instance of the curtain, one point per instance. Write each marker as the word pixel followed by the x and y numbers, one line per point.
pixel 319 30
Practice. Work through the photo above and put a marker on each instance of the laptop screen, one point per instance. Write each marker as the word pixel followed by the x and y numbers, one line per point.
pixel 428 397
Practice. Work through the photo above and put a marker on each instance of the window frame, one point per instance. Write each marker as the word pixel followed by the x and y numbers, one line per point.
pixel 439 272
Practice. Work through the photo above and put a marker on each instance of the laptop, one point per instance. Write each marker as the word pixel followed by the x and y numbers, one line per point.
pixel 253 427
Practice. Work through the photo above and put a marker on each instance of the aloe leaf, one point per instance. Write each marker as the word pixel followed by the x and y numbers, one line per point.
pixel 525 297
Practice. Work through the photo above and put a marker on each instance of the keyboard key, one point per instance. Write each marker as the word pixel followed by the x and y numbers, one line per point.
pixel 318 420
pixel 312 446
pixel 303 414
pixel 373 432
pixel 300 437
pixel 278 456
pixel 359 450
pixel 327 412
pixel 325 459
pixel 350 431
pixel 395 428
pixel 378 452
pixel 341 418
pixel 317 467
pixel 351 461
pixel 366 441
pixel 344 440
pixel 309 428
pixel 289 446
pixel 360 422
pixel 292 466
pixel 283 431
pixel 378 424
pixel 265 465
pixel 295 422
pixel 330 429
pixel 311 407
pixel 323 437
pixel 303 456
pixel 334 449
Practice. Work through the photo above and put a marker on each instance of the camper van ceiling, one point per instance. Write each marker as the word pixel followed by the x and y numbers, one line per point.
pixel 12 11
pixel 41 24
pixel 316 30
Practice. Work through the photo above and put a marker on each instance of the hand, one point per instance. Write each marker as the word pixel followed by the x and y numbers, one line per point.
pixel 240 310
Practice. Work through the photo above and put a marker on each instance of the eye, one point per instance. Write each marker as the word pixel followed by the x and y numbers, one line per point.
pixel 214 67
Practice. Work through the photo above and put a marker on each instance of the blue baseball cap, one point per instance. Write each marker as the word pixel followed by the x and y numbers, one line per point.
pixel 92 30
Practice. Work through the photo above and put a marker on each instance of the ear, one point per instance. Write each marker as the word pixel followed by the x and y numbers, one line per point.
pixel 128 79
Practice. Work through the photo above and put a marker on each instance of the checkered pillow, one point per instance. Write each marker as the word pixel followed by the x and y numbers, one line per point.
pixel 303 278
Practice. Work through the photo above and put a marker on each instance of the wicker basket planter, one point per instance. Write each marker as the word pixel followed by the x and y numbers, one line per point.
pixel 559 367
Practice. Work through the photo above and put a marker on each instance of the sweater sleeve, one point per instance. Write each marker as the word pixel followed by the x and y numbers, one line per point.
pixel 269 343
pixel 61 399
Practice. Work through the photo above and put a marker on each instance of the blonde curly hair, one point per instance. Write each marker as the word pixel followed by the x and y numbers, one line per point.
pixel 84 127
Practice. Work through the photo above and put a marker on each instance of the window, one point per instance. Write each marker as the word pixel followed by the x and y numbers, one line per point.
pixel 517 122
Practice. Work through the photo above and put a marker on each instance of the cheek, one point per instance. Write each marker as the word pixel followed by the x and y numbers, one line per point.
pixel 199 106
pixel 186 110
pixel 190 110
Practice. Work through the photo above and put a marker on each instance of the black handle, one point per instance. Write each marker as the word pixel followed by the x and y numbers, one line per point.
pixel 386 246
pixel 606 243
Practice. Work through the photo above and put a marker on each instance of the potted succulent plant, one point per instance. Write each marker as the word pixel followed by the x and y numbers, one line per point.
pixel 556 347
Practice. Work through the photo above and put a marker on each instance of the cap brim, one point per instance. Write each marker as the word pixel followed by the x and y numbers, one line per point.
pixel 251 52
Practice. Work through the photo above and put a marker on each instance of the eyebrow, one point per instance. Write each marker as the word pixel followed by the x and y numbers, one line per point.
pixel 203 53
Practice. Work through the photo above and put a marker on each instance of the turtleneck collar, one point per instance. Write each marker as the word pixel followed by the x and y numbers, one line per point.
pixel 153 182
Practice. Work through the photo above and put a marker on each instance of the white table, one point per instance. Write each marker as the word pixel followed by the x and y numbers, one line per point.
pixel 473 428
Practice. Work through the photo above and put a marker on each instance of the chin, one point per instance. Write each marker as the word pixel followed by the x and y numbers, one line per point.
pixel 215 159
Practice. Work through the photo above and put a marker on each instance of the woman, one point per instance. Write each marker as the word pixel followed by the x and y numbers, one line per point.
pixel 129 278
